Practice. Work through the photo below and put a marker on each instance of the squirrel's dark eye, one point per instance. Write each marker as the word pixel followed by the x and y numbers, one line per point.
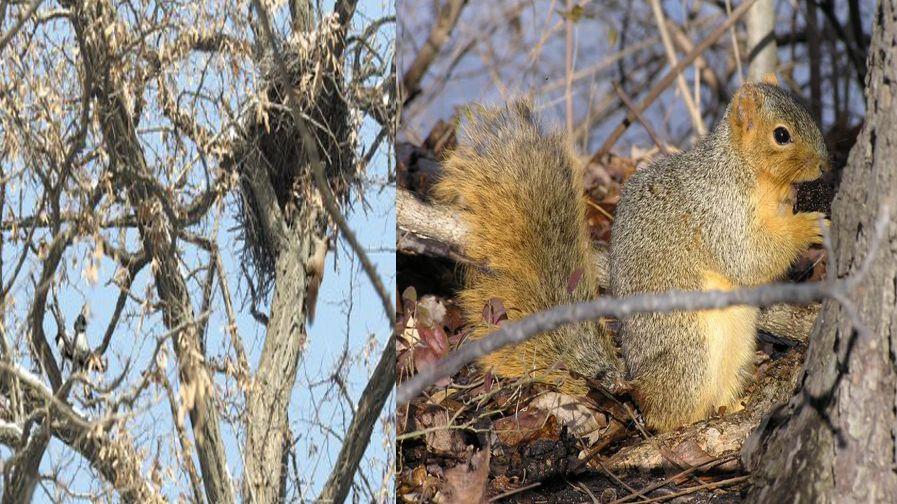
pixel 781 135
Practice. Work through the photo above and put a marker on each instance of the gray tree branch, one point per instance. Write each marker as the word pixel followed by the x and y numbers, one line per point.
pixel 445 22
pixel 115 459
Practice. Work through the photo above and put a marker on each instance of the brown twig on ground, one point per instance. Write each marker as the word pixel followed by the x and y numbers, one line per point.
pixel 675 477
pixel 515 491
pixel 613 434
pixel 705 486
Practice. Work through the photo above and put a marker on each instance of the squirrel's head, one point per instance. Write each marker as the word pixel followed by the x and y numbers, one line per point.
pixel 775 133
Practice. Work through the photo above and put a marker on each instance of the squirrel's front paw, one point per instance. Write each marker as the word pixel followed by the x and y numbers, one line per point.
pixel 811 226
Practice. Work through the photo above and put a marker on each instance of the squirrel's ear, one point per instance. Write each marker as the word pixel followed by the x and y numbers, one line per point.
pixel 743 112
pixel 770 78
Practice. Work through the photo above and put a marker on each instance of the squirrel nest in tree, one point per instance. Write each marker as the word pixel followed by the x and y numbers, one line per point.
pixel 318 84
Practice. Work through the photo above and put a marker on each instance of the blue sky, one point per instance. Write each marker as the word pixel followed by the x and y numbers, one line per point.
pixel 357 326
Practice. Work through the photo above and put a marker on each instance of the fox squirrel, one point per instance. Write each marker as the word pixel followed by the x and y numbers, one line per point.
pixel 716 217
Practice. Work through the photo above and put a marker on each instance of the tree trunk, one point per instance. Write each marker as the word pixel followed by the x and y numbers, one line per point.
pixel 836 438
pixel 267 419
pixel 761 24
pixel 267 429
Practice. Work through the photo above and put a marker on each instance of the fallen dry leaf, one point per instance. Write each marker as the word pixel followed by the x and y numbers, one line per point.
pixel 416 485
pixel 494 312
pixel 580 419
pixel 441 439
pixel 525 426
pixel 466 483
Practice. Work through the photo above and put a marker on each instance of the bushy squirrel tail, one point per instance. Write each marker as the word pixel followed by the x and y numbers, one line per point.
pixel 519 192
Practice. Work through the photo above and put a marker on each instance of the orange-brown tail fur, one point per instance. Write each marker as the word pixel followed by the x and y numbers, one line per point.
pixel 520 195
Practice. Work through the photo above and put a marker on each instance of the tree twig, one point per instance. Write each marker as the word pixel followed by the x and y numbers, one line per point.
pixel 735 50
pixel 704 486
pixel 445 22
pixel 680 474
pixel 694 111
pixel 7 37
pixel 670 77
pixel 641 119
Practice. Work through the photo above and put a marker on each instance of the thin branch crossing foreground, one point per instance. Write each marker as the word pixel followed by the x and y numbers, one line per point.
pixel 513 333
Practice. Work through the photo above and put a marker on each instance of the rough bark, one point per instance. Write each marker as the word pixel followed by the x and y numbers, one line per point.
pixel 792 322
pixel 24 474
pixel 299 264
pixel 128 165
pixel 267 428
pixel 20 486
pixel 427 229
pixel 267 419
pixel 836 440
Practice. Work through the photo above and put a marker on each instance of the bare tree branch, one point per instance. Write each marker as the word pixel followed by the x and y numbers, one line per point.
pixel 358 435
pixel 32 7
pixel 114 458
pixel 693 111
pixel 670 77
pixel 443 25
